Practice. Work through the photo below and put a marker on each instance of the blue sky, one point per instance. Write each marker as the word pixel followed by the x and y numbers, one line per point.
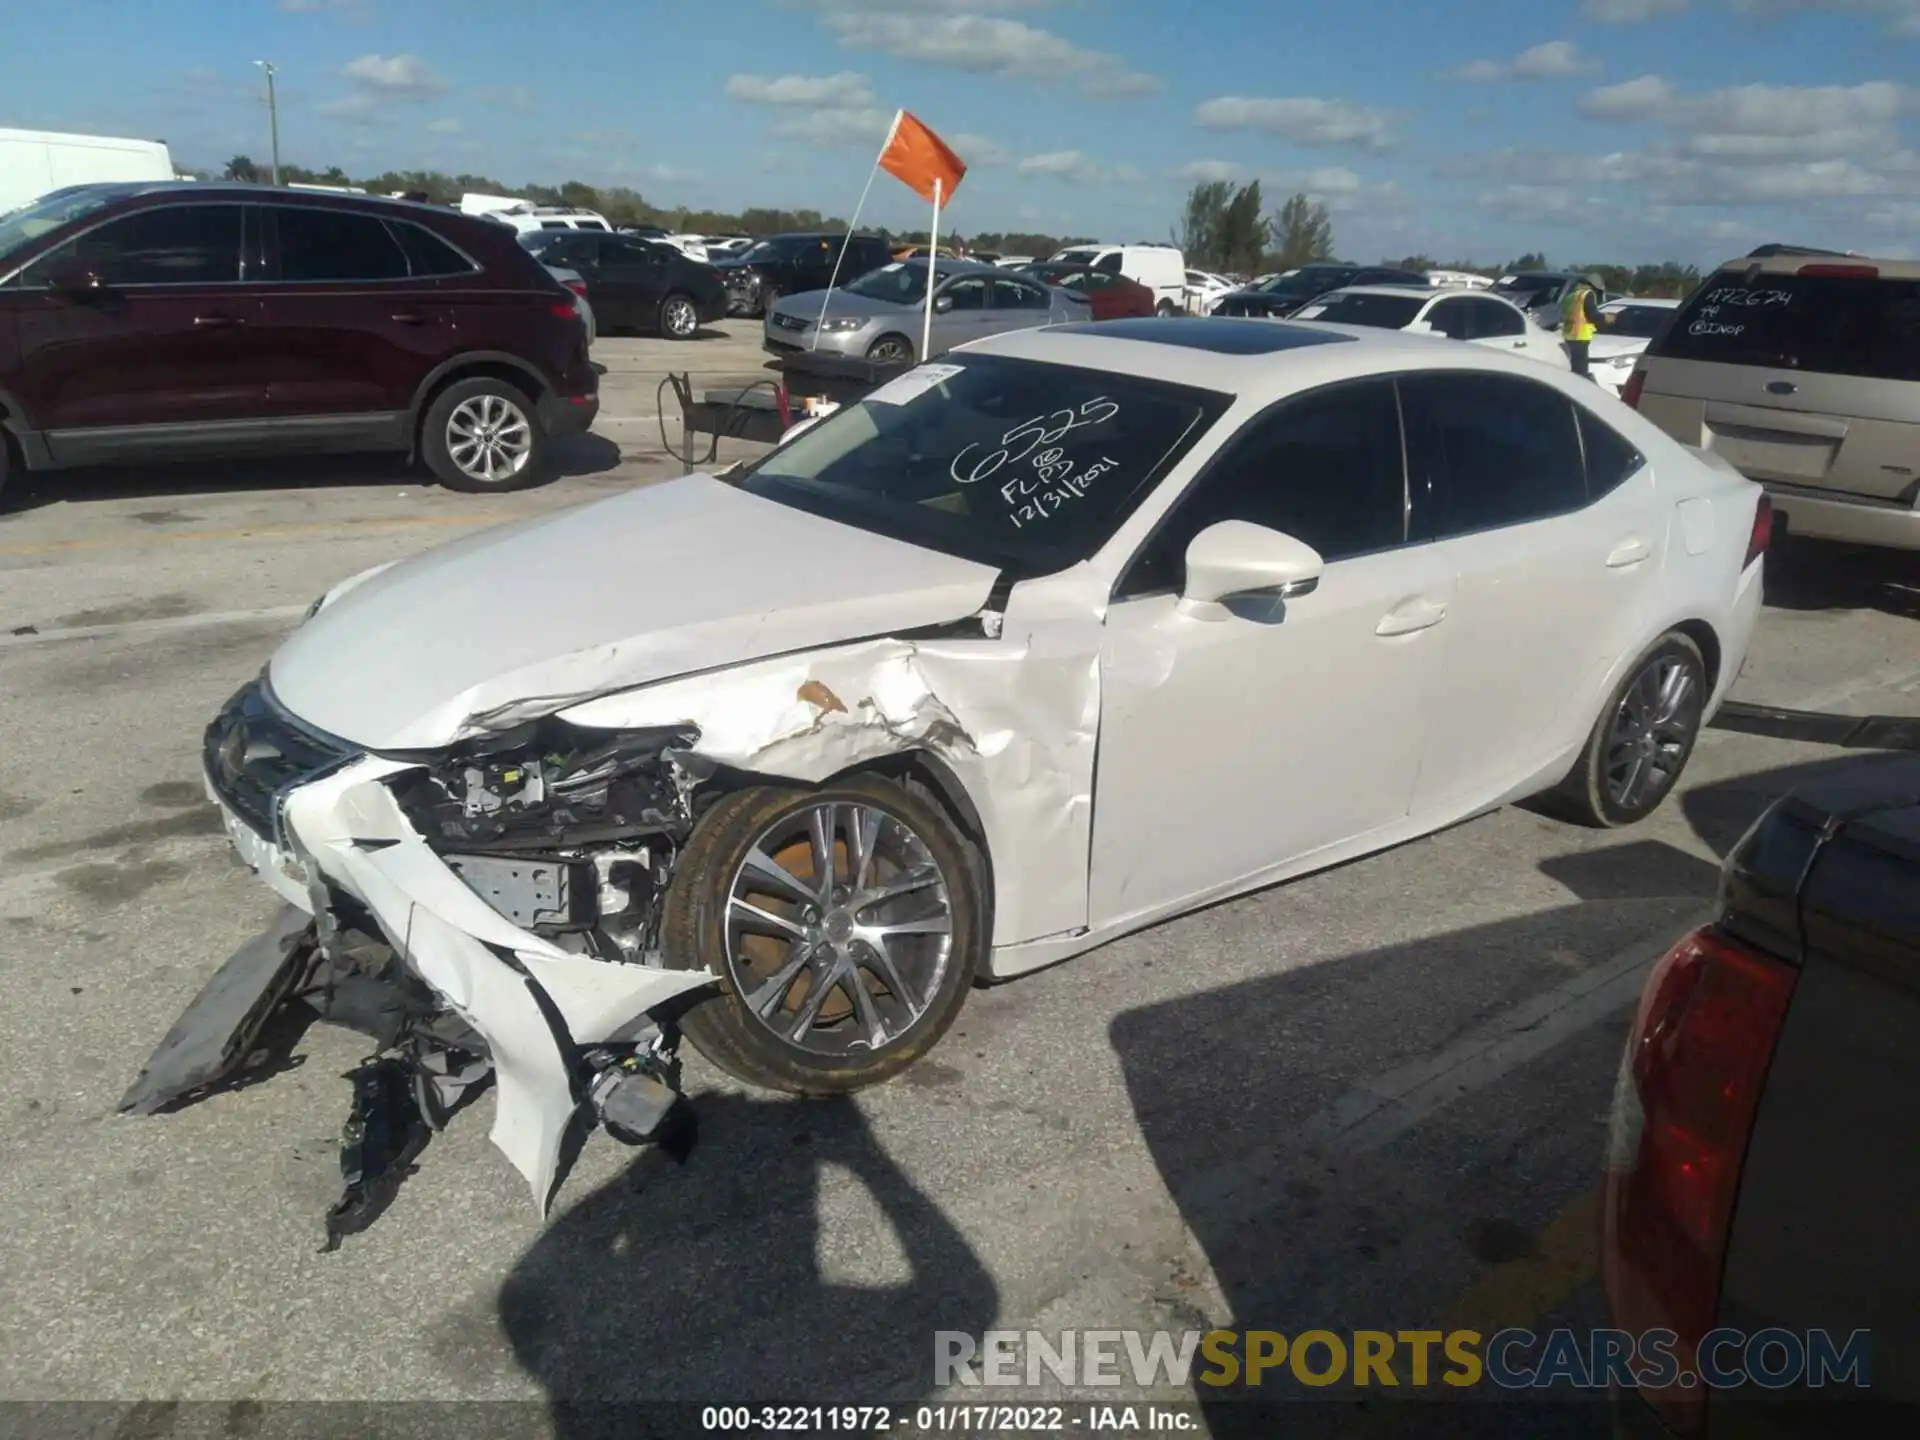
pixel 1593 129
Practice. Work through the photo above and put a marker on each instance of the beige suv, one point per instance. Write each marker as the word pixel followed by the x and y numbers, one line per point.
pixel 1804 373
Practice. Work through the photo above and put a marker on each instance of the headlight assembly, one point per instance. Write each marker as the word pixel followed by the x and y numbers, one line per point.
pixel 841 325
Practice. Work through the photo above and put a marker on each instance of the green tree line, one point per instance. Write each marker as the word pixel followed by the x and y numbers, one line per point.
pixel 625 206
pixel 1223 226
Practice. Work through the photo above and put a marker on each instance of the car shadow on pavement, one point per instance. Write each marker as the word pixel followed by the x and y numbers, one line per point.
pixel 567 455
pixel 1347 1157
pixel 705 1282
pixel 1821 575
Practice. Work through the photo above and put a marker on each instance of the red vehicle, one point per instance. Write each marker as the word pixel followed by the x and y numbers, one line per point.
pixel 1113 297
pixel 176 321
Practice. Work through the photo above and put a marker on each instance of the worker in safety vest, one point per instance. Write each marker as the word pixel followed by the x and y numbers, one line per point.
pixel 1577 321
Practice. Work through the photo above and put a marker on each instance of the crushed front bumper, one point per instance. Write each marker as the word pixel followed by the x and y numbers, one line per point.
pixel 313 816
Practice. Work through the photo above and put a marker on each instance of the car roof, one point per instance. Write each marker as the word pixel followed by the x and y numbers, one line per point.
pixel 1407 292
pixel 952 265
pixel 1258 359
pixel 244 190
pixel 1792 264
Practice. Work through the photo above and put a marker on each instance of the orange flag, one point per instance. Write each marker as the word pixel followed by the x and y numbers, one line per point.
pixel 918 157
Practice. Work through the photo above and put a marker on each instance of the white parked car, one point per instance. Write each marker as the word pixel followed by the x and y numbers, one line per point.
pixel 1459 280
pixel 1624 330
pixel 1203 291
pixel 526 218
pixel 1161 268
pixel 592 767
pixel 1478 319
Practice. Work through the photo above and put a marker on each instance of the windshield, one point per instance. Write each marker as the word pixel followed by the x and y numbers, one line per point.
pixel 1005 462
pixel 20 228
pixel 1637 322
pixel 1383 312
pixel 899 282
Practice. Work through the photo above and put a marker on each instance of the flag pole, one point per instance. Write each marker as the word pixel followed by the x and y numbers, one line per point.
pixel 852 225
pixel 933 272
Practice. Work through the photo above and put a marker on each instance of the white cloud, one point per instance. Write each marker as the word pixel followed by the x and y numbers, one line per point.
pixel 445 127
pixel 1749 123
pixel 978 150
pixel 1548 60
pixel 845 91
pixel 836 129
pixel 989 45
pixel 401 77
pixel 316 7
pixel 1074 167
pixel 1628 12
pixel 1302 120
pixel 1211 170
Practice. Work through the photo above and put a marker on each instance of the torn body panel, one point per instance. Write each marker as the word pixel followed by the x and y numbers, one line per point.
pixel 1015 719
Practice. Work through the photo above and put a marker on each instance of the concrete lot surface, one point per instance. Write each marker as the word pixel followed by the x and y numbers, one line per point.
pixel 1372 1097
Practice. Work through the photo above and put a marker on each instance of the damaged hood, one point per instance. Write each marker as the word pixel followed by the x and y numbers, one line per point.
pixel 659 582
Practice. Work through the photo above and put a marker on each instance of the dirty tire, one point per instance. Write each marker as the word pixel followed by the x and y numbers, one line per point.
pixel 694 934
pixel 1165 310
pixel 467 401
pixel 891 350
pixel 1589 795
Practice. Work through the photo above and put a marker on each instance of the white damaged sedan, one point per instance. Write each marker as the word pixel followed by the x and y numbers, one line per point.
pixel 1087 627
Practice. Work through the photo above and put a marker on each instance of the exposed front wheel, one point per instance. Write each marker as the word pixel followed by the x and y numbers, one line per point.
pixel 846 925
pixel 1642 740
pixel 891 350
pixel 483 434
pixel 678 318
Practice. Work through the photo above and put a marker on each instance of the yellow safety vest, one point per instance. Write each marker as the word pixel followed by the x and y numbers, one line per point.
pixel 1575 320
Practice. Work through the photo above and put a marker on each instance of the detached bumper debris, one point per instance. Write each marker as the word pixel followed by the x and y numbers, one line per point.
pixel 427 1064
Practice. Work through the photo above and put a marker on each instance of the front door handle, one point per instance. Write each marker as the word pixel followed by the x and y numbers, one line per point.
pixel 213 322
pixel 409 317
pixel 1411 615
pixel 1630 551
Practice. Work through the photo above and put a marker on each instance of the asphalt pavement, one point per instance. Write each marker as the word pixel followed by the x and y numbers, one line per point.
pixel 1372 1097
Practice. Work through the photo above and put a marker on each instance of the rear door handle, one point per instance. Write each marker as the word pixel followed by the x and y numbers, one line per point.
pixel 1630 551
pixel 213 322
pixel 409 317
pixel 1411 615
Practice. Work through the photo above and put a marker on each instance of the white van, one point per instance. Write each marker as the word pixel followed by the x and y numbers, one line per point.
pixel 34 162
pixel 1161 268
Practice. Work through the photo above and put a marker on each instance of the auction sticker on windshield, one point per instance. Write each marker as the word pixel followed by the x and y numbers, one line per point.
pixel 912 385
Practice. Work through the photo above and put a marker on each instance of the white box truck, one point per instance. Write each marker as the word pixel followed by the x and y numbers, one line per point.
pixel 33 162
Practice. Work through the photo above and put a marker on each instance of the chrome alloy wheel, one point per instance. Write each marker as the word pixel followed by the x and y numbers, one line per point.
pixel 839 928
pixel 489 438
pixel 1652 731
pixel 678 318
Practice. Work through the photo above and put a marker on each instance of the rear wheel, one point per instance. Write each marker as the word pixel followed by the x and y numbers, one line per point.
pixel 1165 309
pixel 846 925
pixel 483 434
pixel 1642 740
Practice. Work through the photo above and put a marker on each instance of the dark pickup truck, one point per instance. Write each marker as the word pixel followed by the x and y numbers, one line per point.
pixel 1763 1180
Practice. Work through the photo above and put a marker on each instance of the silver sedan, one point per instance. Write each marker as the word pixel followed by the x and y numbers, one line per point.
pixel 879 317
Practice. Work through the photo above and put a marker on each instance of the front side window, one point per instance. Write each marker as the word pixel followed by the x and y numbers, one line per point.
pixel 1451 318
pixel 1636 322
pixel 969 293
pixel 20 228
pixel 1325 468
pixel 174 245
pixel 1012 295
pixel 1486 451
pixel 1011 463
pixel 337 246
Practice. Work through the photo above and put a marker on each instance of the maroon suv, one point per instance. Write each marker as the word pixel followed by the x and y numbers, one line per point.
pixel 183 320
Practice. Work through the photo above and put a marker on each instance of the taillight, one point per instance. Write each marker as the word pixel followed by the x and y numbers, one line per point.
pixel 1762 534
pixel 1630 392
pixel 1854 272
pixel 578 287
pixel 1683 1109
pixel 568 311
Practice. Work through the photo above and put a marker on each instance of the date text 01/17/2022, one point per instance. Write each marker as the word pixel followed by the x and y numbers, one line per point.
pixel 958 1419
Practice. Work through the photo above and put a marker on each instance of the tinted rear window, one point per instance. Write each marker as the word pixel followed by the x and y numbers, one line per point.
pixel 1386 312
pixel 1831 325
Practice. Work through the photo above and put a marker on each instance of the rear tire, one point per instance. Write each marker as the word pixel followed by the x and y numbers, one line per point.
pixel 1165 310
pixel 880 1005
pixel 483 436
pixel 679 317
pixel 1642 741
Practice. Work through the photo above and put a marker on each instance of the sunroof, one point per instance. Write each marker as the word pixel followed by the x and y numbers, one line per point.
pixel 1219 334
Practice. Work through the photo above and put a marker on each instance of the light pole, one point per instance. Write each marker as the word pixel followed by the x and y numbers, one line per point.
pixel 273 116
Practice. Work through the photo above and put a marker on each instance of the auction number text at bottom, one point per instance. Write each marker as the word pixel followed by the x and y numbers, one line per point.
pixel 947 1419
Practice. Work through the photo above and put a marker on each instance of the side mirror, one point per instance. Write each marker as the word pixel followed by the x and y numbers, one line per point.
pixel 74 276
pixel 1236 557
pixel 942 304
